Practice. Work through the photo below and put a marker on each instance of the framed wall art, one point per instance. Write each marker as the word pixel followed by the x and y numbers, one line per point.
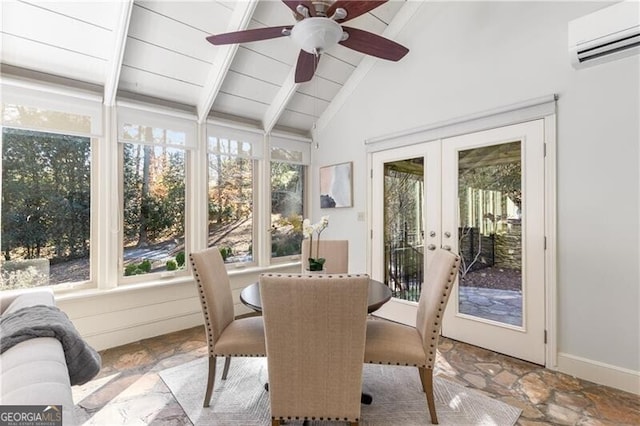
pixel 336 186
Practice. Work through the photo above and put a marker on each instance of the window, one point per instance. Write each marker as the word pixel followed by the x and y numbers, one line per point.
pixel 287 195
pixel 168 199
pixel 232 187
pixel 288 159
pixel 46 188
pixel 154 166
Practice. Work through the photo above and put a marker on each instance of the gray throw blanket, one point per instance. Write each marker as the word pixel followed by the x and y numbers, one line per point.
pixel 83 362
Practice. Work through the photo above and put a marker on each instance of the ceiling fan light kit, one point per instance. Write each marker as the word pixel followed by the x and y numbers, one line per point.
pixel 319 27
pixel 315 35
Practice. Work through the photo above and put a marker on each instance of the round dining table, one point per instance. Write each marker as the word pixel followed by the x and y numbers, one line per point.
pixel 379 294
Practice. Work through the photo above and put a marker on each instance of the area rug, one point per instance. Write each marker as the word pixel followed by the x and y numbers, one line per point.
pixel 397 397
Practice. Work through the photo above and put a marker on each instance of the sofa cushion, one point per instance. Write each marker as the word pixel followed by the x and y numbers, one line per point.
pixel 83 362
pixel 30 299
pixel 34 372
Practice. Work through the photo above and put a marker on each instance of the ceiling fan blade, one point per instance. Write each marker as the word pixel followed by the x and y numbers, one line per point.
pixel 306 66
pixel 246 36
pixel 373 44
pixel 354 8
pixel 293 4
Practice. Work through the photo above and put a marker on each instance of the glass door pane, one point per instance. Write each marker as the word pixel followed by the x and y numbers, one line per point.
pixel 403 227
pixel 490 232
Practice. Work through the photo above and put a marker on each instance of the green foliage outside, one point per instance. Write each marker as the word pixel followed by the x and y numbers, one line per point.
pixel 492 173
pixel 177 263
pixel 46 196
pixel 154 194
pixel 225 252
pixel 231 183
pixel 287 194
pixel 143 267
pixel 180 258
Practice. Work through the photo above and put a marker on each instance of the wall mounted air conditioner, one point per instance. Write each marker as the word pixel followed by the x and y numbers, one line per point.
pixel 607 34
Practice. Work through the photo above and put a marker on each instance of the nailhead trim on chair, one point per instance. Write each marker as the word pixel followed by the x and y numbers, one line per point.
pixel 433 336
pixel 313 418
pixel 319 276
pixel 207 320
pixel 397 363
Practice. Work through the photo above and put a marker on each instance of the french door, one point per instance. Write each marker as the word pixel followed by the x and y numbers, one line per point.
pixel 480 195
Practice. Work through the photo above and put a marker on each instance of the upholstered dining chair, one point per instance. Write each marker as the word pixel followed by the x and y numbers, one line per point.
pixel 335 251
pixel 397 344
pixel 315 331
pixel 226 336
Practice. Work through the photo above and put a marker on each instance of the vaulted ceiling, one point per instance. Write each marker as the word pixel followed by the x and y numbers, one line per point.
pixel 157 50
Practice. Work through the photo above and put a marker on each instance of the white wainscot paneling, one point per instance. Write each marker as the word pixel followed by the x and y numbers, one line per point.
pixel 111 318
pixel 115 317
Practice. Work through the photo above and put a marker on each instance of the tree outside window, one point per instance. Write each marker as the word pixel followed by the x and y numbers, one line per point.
pixel 230 213
pixel 46 208
pixel 154 203
pixel 287 208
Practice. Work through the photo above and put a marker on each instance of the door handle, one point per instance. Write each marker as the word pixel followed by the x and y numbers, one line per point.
pixel 431 247
pixel 448 248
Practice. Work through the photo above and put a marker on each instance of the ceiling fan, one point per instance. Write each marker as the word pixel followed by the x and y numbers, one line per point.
pixel 318 27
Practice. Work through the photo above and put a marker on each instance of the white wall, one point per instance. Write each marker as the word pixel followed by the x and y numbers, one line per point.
pixel 466 58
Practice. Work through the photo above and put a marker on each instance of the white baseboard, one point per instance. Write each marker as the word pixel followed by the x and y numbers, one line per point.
pixel 601 373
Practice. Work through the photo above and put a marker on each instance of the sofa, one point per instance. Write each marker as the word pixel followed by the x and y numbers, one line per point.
pixel 34 372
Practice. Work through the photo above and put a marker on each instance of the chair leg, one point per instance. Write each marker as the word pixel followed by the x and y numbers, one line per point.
pixel 210 380
pixel 275 422
pixel 225 369
pixel 426 377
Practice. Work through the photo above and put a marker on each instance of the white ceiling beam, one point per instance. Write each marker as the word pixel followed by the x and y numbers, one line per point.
pixel 119 41
pixel 280 101
pixel 240 19
pixel 397 24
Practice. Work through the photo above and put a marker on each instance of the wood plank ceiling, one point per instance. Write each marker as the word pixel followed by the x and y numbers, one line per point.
pixel 157 50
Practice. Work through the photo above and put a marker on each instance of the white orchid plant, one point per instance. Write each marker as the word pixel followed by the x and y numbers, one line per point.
pixel 315 263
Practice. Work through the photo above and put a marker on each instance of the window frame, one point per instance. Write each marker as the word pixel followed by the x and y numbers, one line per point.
pixel 106 270
pixel 255 138
pixel 303 147
pixel 170 120
pixel 53 98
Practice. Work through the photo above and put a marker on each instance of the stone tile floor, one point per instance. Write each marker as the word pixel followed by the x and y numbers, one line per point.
pixel 129 390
